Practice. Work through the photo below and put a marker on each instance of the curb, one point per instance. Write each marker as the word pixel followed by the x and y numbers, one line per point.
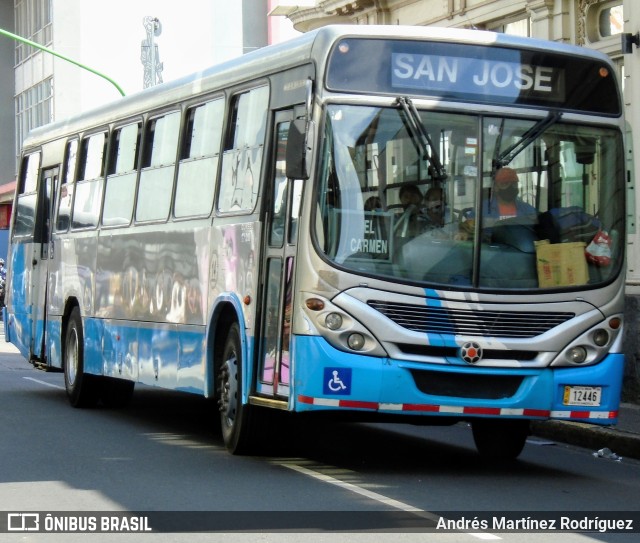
pixel 624 444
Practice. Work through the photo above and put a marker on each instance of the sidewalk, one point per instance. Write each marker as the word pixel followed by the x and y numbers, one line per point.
pixel 622 439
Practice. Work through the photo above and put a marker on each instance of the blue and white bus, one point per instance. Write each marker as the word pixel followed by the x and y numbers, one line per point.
pixel 320 226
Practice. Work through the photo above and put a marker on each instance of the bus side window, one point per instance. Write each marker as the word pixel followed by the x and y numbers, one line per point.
pixel 158 166
pixel 86 205
pixel 27 196
pixel 243 150
pixel 198 168
pixel 120 189
pixel 66 189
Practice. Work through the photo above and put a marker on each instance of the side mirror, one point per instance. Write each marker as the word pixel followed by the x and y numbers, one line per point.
pixel 298 150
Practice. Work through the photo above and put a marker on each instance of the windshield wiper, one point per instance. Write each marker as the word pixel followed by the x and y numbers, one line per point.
pixel 421 138
pixel 528 137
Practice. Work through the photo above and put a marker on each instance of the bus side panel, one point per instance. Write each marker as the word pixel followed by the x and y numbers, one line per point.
pixel 20 314
pixel 158 355
pixel 120 350
pixel 93 329
pixel 192 359
pixel 73 277
pixel 54 341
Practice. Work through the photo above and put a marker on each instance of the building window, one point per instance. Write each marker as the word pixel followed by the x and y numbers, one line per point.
pixel 34 107
pixel 603 21
pixel 516 27
pixel 611 20
pixel 32 21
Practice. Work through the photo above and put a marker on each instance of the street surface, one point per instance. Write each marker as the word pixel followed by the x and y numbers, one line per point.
pixel 164 453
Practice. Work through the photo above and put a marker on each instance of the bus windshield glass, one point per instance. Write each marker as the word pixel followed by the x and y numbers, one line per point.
pixel 492 203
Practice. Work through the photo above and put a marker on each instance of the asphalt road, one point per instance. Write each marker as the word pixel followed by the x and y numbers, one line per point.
pixel 163 455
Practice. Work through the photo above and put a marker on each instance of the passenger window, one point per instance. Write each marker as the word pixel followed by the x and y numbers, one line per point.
pixel 66 189
pixel 162 141
pixel 29 177
pixel 242 158
pixel 86 205
pixel 158 167
pixel 120 187
pixel 199 161
pixel 27 196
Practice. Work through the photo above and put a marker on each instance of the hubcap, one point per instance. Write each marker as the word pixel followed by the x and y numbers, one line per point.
pixel 71 362
pixel 229 390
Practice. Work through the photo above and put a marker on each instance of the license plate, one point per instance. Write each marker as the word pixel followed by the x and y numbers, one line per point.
pixel 588 396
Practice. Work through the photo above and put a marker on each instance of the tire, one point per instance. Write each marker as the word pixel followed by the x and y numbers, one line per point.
pixel 234 416
pixel 500 440
pixel 116 393
pixel 81 388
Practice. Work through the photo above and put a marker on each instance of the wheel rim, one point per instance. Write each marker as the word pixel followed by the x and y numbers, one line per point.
pixel 71 359
pixel 229 390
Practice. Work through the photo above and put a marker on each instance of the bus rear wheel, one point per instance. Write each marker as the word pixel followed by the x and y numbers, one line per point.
pixel 500 440
pixel 81 388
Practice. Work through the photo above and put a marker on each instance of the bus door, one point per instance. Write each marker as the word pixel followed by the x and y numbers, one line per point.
pixel 281 231
pixel 42 250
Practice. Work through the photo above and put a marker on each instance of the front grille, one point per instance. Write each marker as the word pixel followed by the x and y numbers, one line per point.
pixel 467 385
pixel 470 322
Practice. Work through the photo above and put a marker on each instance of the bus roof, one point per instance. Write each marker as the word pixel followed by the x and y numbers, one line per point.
pixel 310 47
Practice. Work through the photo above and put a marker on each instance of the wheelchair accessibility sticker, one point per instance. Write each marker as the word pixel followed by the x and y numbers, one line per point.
pixel 337 381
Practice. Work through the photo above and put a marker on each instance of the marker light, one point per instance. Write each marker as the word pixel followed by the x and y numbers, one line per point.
pixel 615 323
pixel 315 304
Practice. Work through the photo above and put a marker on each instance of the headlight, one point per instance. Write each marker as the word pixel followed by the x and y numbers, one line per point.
pixel 577 355
pixel 600 337
pixel 333 321
pixel 356 341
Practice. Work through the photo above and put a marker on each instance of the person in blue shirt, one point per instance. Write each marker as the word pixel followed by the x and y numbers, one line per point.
pixel 503 203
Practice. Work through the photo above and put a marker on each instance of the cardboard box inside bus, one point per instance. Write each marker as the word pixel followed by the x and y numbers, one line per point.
pixel 561 264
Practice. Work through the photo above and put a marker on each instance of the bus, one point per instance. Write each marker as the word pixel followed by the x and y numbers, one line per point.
pixel 261 234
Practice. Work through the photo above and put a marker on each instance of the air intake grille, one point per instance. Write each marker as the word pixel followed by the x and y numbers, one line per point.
pixel 469 322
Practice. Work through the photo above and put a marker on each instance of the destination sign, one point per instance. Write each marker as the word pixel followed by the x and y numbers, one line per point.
pixel 464 72
pixel 506 79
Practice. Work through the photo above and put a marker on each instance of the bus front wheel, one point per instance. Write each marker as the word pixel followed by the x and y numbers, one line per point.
pixel 500 440
pixel 234 416
pixel 81 388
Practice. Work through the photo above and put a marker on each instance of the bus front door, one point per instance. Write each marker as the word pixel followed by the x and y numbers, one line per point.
pixel 37 294
pixel 281 232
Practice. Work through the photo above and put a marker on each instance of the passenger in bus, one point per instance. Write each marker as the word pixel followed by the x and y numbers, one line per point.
pixel 503 203
pixel 409 223
pixel 436 216
pixel 373 203
pixel 434 208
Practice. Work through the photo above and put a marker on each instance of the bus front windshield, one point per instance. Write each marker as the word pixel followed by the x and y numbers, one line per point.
pixel 470 201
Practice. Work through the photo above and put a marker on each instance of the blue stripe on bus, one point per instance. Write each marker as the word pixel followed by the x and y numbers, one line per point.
pixel 432 299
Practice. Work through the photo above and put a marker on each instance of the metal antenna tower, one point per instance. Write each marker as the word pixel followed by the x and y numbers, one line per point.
pixel 149 55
